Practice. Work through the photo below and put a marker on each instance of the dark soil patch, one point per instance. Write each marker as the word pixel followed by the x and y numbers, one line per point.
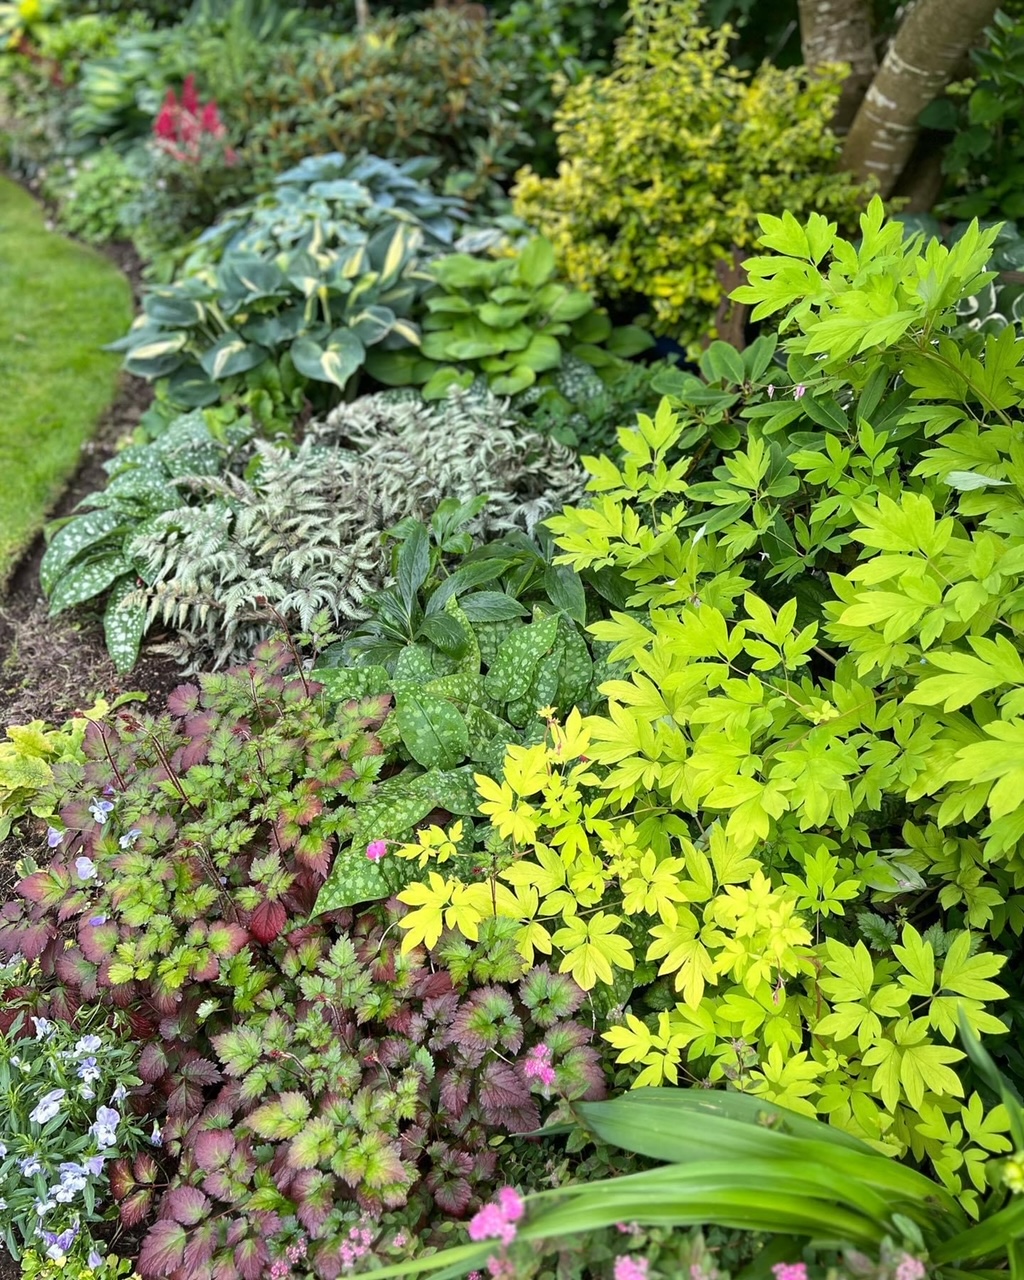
pixel 52 667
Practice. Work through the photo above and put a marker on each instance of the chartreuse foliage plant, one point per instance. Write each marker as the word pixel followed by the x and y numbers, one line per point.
pixel 666 161
pixel 791 844
pixel 506 321
pixel 735 1161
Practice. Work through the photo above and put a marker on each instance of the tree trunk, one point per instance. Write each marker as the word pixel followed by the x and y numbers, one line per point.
pixel 840 31
pixel 930 42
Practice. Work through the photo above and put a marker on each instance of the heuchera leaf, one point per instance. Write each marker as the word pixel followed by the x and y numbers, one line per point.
pixel 162 1249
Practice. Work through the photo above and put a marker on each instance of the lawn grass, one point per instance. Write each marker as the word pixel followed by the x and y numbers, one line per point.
pixel 59 302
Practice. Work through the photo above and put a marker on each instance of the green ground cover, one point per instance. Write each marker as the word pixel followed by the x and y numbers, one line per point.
pixel 59 303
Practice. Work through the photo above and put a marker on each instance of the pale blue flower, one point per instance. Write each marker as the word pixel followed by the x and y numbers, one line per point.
pixel 99 810
pixel 30 1165
pixel 129 838
pixel 54 837
pixel 87 1044
pixel 95 1259
pixel 44 1027
pixel 85 867
pixel 3 1150
pixel 156 1137
pixel 43 1207
pixel 47 1107
pixel 95 1164
pixel 104 1128
pixel 96 921
pixel 119 1092
pixel 58 1245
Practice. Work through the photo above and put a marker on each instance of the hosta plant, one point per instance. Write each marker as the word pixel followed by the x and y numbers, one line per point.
pixel 317 309
pixel 507 320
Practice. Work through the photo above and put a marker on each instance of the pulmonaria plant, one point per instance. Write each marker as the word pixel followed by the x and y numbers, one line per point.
pixel 63 1117
pixel 183 129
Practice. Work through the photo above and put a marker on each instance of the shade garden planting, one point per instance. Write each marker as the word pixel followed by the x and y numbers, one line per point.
pixel 552 805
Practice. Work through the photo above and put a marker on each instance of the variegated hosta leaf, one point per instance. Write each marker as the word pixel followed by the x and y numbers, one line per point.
pixel 335 363
pixel 124 623
pixel 229 355
pixel 84 580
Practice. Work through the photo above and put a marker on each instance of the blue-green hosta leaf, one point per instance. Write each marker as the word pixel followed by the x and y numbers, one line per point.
pixel 156 357
pixel 231 354
pixel 335 362
pixel 190 388
pixel 86 579
pixel 251 277
pixel 80 533
pixel 168 307
pixel 124 623
pixel 433 729
pixel 372 324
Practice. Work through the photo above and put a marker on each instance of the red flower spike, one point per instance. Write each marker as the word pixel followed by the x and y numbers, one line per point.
pixel 189 97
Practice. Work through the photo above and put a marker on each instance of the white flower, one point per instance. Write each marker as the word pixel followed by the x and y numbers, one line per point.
pixel 47 1107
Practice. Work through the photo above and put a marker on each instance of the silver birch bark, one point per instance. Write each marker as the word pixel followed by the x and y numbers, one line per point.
pixel 918 65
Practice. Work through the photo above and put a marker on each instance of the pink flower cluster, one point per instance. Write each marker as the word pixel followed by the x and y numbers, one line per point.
pixel 282 1268
pixel 627 1268
pixel 790 1271
pixel 496 1221
pixel 181 127
pixel 356 1246
pixel 538 1065
pixel 910 1268
pixel 376 850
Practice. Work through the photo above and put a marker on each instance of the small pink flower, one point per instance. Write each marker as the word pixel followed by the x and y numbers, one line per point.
pixel 790 1271
pixel 799 391
pixel 376 850
pixel 910 1268
pixel 538 1065
pixel 488 1224
pixel 500 1269
pixel 510 1202
pixel 400 1241
pixel 627 1268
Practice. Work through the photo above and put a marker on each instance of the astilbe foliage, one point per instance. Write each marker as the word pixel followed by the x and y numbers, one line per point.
pixel 305 1074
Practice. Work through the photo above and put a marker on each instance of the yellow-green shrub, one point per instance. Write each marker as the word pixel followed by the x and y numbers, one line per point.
pixel 791 850
pixel 667 161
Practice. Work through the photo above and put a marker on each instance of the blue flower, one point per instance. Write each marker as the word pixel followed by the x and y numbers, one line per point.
pixel 156 1137
pixel 47 1107
pixel 95 1164
pixel 129 838
pixel 87 1070
pixel 99 810
pixel 96 921
pixel 119 1092
pixel 44 1027
pixel 30 1165
pixel 95 1259
pixel 104 1128
pixel 58 1245
pixel 43 1207
pixel 87 1044
pixel 3 1150
pixel 54 837
pixel 85 867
